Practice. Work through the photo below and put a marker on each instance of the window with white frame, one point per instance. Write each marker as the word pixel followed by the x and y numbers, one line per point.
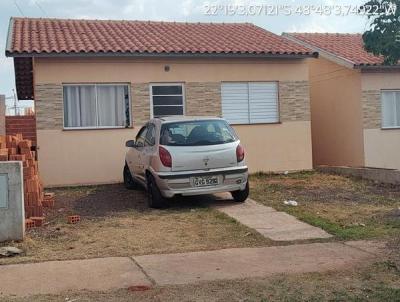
pixel 390 108
pixel 96 106
pixel 167 99
pixel 250 102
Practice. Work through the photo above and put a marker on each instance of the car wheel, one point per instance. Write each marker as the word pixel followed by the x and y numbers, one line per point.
pixel 241 196
pixel 129 183
pixel 155 199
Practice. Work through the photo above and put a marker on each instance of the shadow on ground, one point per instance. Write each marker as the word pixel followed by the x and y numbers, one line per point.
pixel 108 200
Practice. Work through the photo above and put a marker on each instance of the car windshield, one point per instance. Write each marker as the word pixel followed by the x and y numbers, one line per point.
pixel 197 133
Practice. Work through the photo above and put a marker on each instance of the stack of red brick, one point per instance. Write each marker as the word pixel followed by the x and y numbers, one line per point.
pixel 15 148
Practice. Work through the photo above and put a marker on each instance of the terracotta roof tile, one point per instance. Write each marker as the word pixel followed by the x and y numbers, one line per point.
pixel 32 36
pixel 347 46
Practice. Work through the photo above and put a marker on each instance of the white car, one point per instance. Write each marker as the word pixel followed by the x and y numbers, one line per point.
pixel 186 156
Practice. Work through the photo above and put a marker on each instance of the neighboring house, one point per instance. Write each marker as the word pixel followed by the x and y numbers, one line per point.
pixel 95 83
pixel 355 103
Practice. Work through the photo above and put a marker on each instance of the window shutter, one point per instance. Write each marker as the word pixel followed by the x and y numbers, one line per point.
pixel 235 103
pixel 250 103
pixel 263 102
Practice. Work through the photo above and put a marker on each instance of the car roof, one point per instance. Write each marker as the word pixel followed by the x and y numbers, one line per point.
pixel 168 119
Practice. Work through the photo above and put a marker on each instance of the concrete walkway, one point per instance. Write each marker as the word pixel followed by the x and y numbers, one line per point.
pixel 249 262
pixel 183 268
pixel 278 226
pixel 59 276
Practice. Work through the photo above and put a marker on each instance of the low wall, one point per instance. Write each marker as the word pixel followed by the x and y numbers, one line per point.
pixel 25 124
pixel 380 175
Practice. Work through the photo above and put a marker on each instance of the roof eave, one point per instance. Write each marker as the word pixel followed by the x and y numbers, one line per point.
pixel 9 35
pixel 165 55
pixel 377 68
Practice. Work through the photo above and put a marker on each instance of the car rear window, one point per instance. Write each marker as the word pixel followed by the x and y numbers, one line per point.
pixel 197 133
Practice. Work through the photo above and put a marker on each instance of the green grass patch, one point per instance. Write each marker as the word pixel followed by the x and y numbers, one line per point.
pixel 352 232
pixel 348 208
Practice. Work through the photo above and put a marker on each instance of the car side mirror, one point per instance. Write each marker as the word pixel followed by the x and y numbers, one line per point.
pixel 130 144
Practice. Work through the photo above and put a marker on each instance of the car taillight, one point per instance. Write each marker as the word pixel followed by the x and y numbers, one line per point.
pixel 165 157
pixel 239 153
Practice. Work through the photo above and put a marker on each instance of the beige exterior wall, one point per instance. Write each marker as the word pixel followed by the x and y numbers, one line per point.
pixel 279 147
pixel 337 125
pixel 382 146
pixel 82 157
pixel 96 156
pixel 378 81
pixel 47 70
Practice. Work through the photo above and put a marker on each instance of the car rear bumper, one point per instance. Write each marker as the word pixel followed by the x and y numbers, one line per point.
pixel 179 183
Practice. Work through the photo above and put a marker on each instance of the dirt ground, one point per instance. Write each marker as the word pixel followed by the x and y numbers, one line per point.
pixel 117 222
pixel 376 282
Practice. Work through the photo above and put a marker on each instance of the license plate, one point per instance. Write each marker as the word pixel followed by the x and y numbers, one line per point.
pixel 205 181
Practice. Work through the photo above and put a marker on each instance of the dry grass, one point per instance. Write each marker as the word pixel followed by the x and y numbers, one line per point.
pixel 117 222
pixel 346 207
pixel 377 282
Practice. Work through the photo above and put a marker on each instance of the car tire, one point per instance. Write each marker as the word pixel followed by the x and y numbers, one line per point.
pixel 129 182
pixel 241 196
pixel 154 198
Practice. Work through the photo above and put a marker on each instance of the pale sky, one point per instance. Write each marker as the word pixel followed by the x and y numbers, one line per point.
pixel 185 10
